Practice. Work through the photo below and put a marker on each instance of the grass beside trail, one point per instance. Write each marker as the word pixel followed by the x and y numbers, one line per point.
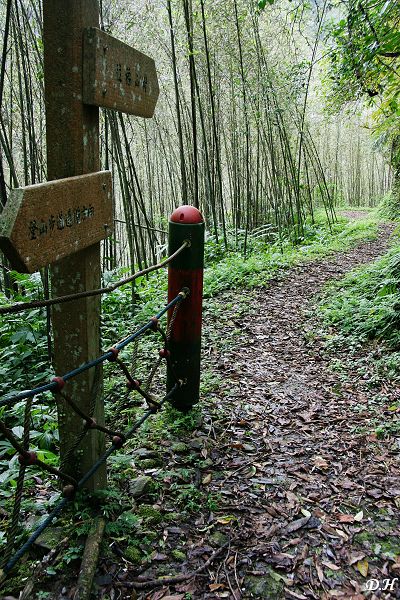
pixel 365 304
pixel 360 317
pixel 266 260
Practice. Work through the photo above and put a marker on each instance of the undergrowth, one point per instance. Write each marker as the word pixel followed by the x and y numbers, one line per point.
pixel 267 260
pixel 389 208
pixel 365 304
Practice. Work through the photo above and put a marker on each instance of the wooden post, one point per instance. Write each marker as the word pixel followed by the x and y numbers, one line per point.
pixel 186 270
pixel 72 130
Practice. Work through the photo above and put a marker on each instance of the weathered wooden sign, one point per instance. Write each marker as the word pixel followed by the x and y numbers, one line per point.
pixel 48 221
pixel 117 76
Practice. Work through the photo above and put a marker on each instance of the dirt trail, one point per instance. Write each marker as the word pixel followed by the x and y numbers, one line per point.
pixel 306 500
pixel 354 214
pixel 301 417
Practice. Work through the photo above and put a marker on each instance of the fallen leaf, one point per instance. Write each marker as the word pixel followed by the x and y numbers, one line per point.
pixel 362 567
pixel 292 498
pixel 248 448
pixel 271 511
pixel 293 542
pixel 359 516
pixel 159 556
pixel 330 565
pixel 374 493
pixel 216 586
pixel 282 559
pixel 342 534
pixel 267 480
pixel 294 525
pixel 326 527
pixel 160 594
pixel 320 572
pixel 295 595
pixel 226 520
pixel 237 445
pixel 207 479
pixel 346 518
pixel 320 462
pixel 185 587
pixel 347 484
pixel 353 558
pixel 252 471
pixel 201 550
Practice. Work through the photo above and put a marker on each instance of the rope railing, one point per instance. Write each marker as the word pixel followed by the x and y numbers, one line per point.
pixel 21 306
pixel 108 355
pixel 28 458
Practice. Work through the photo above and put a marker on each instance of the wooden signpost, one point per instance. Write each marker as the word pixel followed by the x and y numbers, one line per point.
pixel 61 222
pixel 45 222
pixel 117 76
pixel 84 68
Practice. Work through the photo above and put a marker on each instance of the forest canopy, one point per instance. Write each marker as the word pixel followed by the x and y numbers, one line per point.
pixel 248 126
pixel 364 63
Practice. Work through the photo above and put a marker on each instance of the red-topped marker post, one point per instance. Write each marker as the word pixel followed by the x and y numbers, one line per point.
pixel 186 270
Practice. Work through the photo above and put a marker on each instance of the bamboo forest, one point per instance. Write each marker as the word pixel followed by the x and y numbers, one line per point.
pixel 199 299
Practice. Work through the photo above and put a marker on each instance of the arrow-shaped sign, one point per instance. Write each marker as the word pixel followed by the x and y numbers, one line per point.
pixel 45 222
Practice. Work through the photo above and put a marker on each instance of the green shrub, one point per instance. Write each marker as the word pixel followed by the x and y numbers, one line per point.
pixel 389 207
pixel 365 304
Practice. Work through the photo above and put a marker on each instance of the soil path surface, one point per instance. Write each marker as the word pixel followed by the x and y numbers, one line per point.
pixel 353 214
pixel 320 508
pixel 306 496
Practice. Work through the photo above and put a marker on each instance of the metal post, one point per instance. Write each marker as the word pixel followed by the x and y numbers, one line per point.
pixel 72 131
pixel 186 270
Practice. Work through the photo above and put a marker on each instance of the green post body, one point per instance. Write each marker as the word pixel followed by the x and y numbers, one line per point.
pixel 186 270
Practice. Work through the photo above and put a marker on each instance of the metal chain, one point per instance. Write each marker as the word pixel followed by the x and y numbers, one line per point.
pixel 172 321
pixel 151 375
pixel 166 336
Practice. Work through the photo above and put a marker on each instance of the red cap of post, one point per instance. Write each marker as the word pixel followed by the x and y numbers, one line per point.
pixel 188 215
